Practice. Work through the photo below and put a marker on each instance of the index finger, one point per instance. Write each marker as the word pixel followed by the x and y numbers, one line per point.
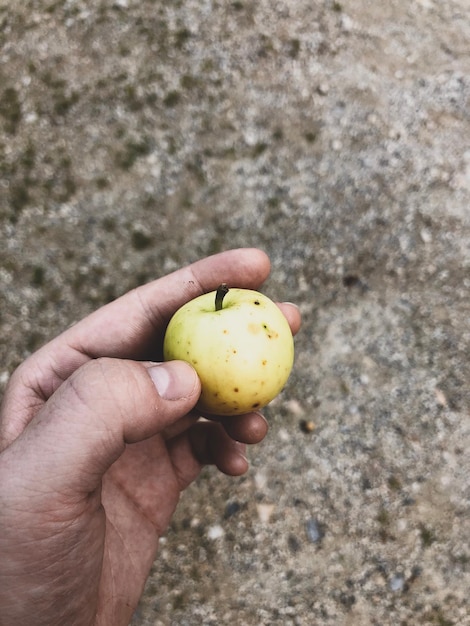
pixel 128 327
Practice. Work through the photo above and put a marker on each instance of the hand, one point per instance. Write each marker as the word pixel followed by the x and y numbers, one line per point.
pixel 97 441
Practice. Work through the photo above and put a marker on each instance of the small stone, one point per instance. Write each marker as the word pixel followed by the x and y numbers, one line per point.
pixel 347 23
pixel 30 118
pixel 440 398
pixel 426 235
pixel 307 426
pixel 215 532
pixel 231 509
pixel 261 479
pixel 314 530
pixel 283 435
pixel 397 582
pixel 264 512
pixel 294 407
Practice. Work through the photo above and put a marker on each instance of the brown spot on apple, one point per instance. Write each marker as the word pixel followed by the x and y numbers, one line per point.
pixel 272 334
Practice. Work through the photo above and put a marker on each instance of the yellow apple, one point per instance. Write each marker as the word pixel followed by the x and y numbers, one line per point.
pixel 240 345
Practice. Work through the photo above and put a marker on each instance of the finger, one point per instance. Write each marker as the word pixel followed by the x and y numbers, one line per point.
pixel 205 443
pixel 211 445
pixel 250 428
pixel 292 314
pixel 108 403
pixel 124 327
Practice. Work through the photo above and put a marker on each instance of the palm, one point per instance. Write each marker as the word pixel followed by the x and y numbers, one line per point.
pixel 140 493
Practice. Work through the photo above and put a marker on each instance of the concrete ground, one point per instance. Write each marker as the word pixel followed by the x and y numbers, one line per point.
pixel 139 135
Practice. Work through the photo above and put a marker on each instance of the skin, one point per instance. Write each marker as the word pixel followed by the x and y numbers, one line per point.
pixel 97 441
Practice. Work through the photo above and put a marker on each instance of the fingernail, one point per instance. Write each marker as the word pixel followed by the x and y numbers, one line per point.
pixel 173 380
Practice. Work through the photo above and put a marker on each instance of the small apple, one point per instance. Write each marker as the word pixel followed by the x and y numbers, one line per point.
pixel 240 345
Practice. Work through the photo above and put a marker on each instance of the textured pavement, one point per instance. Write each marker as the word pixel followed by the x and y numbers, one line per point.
pixel 137 136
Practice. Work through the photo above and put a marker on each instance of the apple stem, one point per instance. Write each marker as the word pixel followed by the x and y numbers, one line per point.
pixel 220 294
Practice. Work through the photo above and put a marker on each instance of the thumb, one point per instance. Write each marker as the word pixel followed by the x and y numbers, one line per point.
pixel 104 405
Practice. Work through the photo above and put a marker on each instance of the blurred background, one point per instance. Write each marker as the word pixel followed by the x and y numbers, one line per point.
pixel 137 136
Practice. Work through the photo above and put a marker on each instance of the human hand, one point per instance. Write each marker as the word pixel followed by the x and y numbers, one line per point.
pixel 97 441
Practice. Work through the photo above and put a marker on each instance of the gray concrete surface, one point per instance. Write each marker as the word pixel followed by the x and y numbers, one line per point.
pixel 137 136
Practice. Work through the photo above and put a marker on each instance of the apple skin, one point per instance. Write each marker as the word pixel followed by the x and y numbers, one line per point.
pixel 242 353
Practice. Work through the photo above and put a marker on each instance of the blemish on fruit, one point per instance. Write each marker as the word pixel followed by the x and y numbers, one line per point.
pixel 236 390
pixel 270 333
pixel 257 302
pixel 254 328
pixel 255 405
pixel 264 362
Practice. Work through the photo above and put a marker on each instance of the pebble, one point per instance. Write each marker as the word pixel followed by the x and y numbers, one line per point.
pixel 283 435
pixel 215 532
pixel 231 509
pixel 426 235
pixel 261 479
pixel 440 398
pixel 264 512
pixel 397 582
pixel 307 426
pixel 294 407
pixel 314 530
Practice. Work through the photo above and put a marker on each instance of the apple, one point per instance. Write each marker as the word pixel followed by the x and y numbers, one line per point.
pixel 240 345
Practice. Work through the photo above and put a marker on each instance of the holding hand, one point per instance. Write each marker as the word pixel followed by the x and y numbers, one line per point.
pixel 97 440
